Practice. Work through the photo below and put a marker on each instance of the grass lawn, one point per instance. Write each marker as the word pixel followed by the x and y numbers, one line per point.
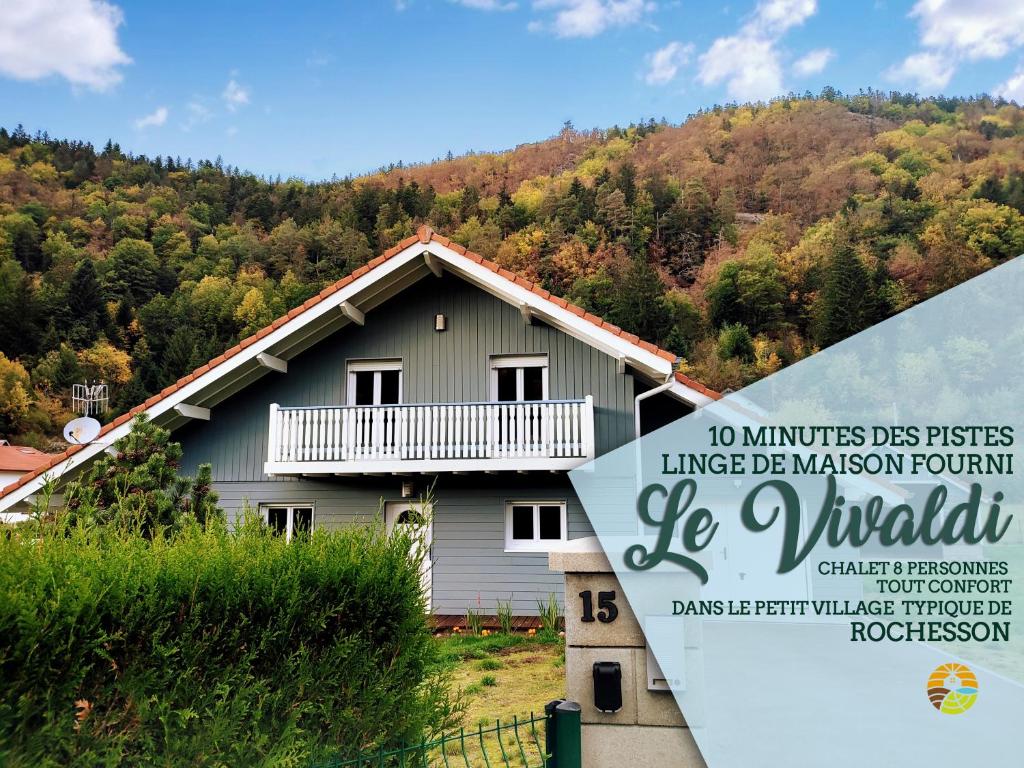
pixel 502 676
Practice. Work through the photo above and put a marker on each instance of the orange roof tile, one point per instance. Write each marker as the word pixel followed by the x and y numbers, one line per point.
pixel 21 458
pixel 423 235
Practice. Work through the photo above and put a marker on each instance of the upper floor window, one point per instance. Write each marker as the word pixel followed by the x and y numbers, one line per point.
pixel 374 382
pixel 287 520
pixel 519 377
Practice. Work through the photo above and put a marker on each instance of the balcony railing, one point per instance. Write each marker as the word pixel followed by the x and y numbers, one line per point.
pixel 430 437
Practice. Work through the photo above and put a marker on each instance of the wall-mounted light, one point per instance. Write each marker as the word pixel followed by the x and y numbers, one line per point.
pixel 407 489
pixel 440 322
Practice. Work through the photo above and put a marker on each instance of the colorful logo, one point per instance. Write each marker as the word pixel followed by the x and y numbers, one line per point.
pixel 952 688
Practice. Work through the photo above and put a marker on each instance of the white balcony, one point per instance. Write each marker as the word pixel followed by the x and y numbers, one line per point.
pixel 430 437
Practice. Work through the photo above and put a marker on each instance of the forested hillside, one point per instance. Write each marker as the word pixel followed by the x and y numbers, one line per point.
pixel 743 239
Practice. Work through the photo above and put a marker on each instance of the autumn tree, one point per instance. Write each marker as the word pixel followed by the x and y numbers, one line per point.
pixel 15 396
pixel 105 362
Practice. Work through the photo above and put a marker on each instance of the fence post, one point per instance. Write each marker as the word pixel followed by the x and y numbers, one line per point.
pixel 549 733
pixel 567 749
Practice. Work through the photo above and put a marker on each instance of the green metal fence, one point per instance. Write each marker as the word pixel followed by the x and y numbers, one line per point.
pixel 548 740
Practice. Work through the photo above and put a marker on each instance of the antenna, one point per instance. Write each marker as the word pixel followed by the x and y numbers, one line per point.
pixel 89 399
pixel 81 431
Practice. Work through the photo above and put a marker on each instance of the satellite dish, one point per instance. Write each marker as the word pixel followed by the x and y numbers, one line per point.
pixel 81 431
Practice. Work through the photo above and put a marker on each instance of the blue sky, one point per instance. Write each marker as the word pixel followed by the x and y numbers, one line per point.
pixel 314 89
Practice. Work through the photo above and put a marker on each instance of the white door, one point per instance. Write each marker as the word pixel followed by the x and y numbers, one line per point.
pixel 414 514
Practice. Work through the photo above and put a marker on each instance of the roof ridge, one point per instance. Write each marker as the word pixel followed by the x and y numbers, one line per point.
pixel 424 235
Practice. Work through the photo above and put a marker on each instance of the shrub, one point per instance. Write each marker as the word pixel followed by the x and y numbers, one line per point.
pixel 489 664
pixel 489 681
pixel 505 616
pixel 549 613
pixel 211 647
pixel 474 621
pixel 735 341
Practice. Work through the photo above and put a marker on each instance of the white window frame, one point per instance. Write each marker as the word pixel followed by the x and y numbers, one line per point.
pixel 376 366
pixel 519 362
pixel 535 544
pixel 290 506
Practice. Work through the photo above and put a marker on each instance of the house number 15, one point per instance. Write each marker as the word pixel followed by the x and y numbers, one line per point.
pixel 607 610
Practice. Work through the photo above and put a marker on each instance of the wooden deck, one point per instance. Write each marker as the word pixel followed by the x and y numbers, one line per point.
pixel 444 623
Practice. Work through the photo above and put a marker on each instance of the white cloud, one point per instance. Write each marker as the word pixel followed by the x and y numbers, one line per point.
pixel 928 71
pixel 813 62
pixel 235 95
pixel 486 5
pixel 748 65
pixel 774 17
pixel 589 18
pixel 663 65
pixel 972 29
pixel 155 119
pixel 954 31
pixel 748 62
pixel 198 113
pixel 74 39
pixel 1013 88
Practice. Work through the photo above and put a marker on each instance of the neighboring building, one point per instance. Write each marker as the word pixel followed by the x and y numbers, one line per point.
pixel 15 462
pixel 429 367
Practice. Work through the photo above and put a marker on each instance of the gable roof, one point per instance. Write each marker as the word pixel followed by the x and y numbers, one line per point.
pixel 657 362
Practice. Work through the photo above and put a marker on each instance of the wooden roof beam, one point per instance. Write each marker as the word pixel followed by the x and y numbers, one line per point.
pixel 433 263
pixel 349 310
pixel 272 363
pixel 192 411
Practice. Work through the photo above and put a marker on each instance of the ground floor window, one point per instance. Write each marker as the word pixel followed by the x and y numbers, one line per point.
pixel 533 526
pixel 288 520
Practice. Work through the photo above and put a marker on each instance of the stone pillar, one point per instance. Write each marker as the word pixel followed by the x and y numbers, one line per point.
pixel 648 730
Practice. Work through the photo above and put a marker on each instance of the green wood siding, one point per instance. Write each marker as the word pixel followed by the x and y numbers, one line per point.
pixel 450 366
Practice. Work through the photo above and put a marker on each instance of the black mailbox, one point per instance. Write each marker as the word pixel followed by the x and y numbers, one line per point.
pixel 608 686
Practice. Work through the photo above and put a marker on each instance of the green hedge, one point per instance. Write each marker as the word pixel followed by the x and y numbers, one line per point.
pixel 211 648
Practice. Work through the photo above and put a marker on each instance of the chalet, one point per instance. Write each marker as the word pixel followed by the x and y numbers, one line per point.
pixel 428 367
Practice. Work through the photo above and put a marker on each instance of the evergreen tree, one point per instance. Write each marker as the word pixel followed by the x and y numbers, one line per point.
pixel 640 303
pixel 26 241
pixel 85 301
pixel 138 487
pixel 735 341
pixel 179 355
pixel 56 372
pixel 846 304
pixel 18 310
